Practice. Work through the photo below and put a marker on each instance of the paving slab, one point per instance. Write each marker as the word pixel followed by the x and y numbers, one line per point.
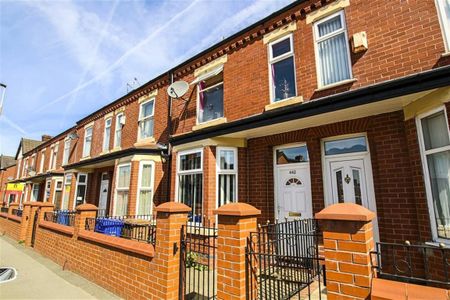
pixel 40 278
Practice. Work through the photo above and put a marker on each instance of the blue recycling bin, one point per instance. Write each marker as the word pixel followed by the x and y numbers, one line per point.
pixel 111 227
pixel 63 217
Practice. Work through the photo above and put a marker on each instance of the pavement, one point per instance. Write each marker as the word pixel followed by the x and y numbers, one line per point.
pixel 40 278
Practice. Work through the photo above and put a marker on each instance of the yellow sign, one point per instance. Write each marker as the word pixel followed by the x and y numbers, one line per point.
pixel 68 189
pixel 17 187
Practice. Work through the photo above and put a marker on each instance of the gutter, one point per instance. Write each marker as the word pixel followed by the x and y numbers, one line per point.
pixel 418 82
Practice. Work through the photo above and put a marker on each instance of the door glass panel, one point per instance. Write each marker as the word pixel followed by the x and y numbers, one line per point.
pixel 340 188
pixel 292 155
pixel 357 144
pixel 357 186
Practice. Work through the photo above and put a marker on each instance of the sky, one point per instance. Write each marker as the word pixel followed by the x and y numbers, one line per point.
pixel 62 60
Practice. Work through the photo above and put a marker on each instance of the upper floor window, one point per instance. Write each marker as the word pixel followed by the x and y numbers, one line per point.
pixel 332 50
pixel 282 69
pixel 41 163
pixel 226 175
pixel 33 162
pixel 25 168
pixel 210 95
pixel 118 131
pixel 87 141
pixel 107 134
pixel 66 151
pixel 146 112
pixel 444 16
pixel 434 138
pixel 53 156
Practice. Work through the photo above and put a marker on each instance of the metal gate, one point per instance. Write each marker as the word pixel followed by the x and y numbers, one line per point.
pixel 198 262
pixel 283 261
pixel 34 227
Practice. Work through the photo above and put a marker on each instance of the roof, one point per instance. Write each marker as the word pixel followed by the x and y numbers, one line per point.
pixel 6 161
pixel 27 145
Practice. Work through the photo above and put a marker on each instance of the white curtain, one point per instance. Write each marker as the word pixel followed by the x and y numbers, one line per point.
pixel 333 53
pixel 145 193
pixel 122 203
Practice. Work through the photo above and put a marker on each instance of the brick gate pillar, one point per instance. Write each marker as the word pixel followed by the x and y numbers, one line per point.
pixel 169 219
pixel 236 221
pixel 84 211
pixel 348 241
pixel 24 225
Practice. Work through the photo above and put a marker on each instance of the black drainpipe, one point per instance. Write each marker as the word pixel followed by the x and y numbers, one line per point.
pixel 169 131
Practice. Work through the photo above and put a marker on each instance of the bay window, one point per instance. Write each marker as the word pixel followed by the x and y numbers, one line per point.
pixel 226 175
pixel 210 95
pixel 35 192
pixel 57 195
pixel 80 195
pixel 146 125
pixel 190 182
pixel 332 50
pixel 282 69
pixel 87 141
pixel 118 131
pixel 434 138
pixel 122 189
pixel 443 7
pixel 66 192
pixel 145 188
pixel 107 134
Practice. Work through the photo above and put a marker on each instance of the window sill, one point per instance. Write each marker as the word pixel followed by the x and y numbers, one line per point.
pixel 437 244
pixel 115 149
pixel 283 103
pixel 330 86
pixel 210 123
pixel 446 54
pixel 84 158
pixel 145 142
pixel 103 153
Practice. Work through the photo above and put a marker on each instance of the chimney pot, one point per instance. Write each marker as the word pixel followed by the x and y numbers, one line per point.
pixel 46 137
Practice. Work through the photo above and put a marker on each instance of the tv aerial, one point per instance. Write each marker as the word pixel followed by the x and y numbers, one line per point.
pixel 178 89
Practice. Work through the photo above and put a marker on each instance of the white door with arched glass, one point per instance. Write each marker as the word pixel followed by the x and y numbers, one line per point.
pixel 348 173
pixel 292 183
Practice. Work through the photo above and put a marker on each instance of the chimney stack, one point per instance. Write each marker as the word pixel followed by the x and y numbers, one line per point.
pixel 46 137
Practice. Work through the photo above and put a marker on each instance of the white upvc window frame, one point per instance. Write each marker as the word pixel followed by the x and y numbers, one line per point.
pixel 25 167
pixel 423 154
pixel 42 161
pixel 196 171
pixel 33 161
pixel 273 60
pixel 105 145
pixel 142 119
pixel 33 188
pixel 56 189
pixel 445 25
pixel 76 188
pixel 66 151
pixel 84 154
pixel 19 166
pixel 219 172
pixel 63 202
pixel 141 188
pixel 118 127
pixel 199 90
pixel 318 39
pixel 121 189
pixel 47 189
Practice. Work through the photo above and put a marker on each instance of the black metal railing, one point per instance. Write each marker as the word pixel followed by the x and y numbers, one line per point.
pixel 283 261
pixel 63 217
pixel 17 212
pixel 419 264
pixel 198 261
pixel 134 227
pixel 4 209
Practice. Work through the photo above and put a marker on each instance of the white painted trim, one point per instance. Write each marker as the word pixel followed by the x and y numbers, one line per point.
pixel 105 144
pixel 84 141
pixel 76 188
pixel 316 51
pixel 425 170
pixel 122 189
pixel 64 190
pixel 55 190
pixel 152 116
pixel 152 184
pixel 272 60
pixel 276 167
pixel 66 156
pixel 115 130
pixel 227 172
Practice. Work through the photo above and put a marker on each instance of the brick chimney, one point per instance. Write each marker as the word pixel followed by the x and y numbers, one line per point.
pixel 46 137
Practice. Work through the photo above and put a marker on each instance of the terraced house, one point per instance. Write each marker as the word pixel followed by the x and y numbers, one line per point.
pixel 322 102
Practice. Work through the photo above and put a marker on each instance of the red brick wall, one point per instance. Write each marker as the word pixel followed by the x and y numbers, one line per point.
pixel 10 228
pixel 404 38
pixel 4 174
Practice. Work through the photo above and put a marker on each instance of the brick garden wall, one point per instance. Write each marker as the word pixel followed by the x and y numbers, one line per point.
pixel 10 227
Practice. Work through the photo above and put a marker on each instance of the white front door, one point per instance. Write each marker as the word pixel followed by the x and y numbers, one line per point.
pixel 348 174
pixel 104 185
pixel 292 184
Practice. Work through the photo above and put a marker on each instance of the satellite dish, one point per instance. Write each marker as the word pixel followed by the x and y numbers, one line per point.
pixel 178 89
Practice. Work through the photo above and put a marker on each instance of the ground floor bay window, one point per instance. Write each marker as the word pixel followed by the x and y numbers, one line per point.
pixel 122 189
pixel 145 188
pixel 434 136
pixel 226 175
pixel 190 182
pixel 80 194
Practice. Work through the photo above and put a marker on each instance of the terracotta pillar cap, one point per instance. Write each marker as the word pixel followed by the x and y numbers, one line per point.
pixel 237 210
pixel 173 207
pixel 42 204
pixel 345 212
pixel 86 207
pixel 29 203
